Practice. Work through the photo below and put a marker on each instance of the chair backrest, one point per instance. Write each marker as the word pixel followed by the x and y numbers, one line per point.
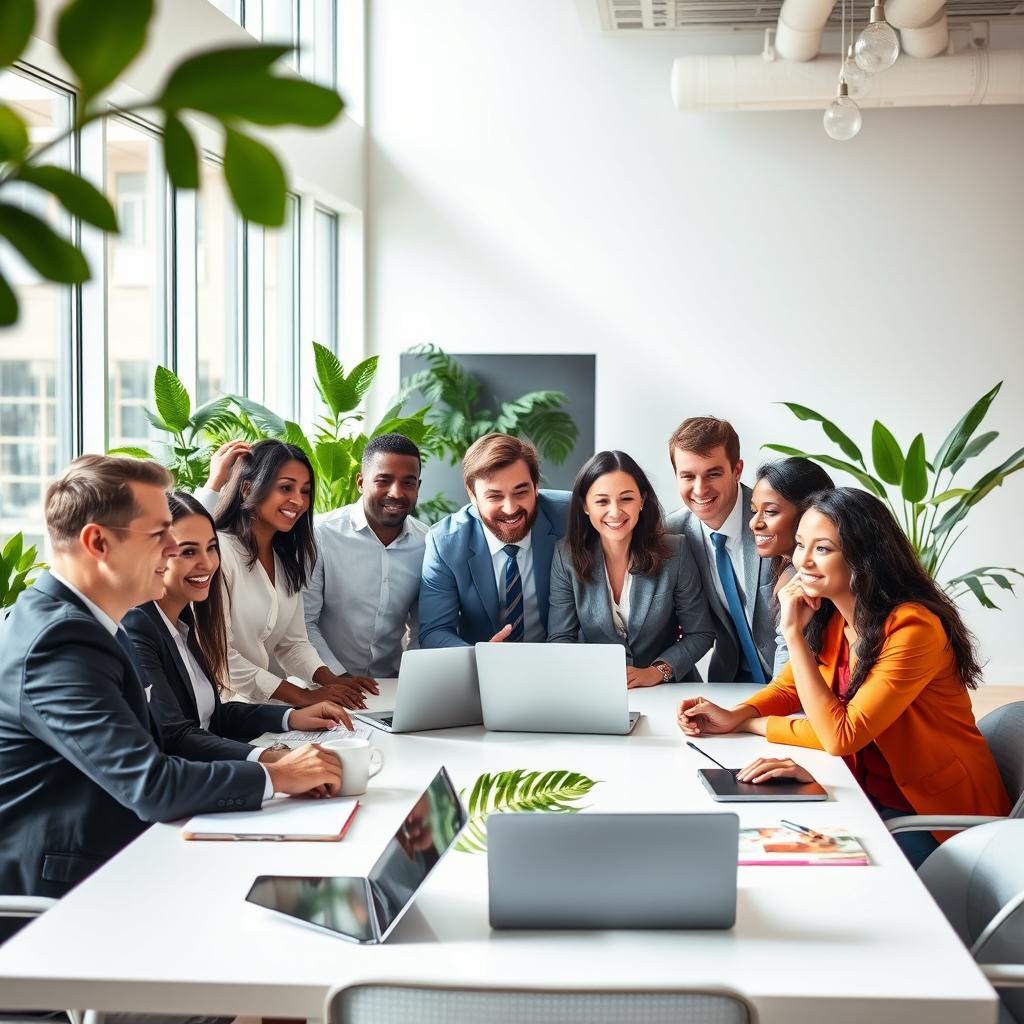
pixel 423 1004
pixel 1003 730
pixel 973 876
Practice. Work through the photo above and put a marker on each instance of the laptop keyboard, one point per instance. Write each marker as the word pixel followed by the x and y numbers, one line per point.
pixel 298 736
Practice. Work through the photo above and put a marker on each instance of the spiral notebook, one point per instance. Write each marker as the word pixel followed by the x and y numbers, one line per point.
pixel 779 845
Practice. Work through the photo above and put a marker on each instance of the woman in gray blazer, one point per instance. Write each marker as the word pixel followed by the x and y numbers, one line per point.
pixel 617 578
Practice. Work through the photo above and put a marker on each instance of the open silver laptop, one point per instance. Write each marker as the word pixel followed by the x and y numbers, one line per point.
pixel 437 689
pixel 554 688
pixel 580 870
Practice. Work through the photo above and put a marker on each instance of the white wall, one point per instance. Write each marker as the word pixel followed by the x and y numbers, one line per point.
pixel 532 189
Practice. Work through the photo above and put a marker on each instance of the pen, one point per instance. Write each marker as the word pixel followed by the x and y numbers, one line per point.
pixel 806 831
pixel 731 771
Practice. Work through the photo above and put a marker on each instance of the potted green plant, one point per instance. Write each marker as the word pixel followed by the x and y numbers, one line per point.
pixel 17 563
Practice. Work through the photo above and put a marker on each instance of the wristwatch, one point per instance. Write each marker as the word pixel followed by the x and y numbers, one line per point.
pixel 667 675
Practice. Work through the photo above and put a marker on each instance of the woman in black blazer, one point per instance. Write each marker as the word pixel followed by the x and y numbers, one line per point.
pixel 181 646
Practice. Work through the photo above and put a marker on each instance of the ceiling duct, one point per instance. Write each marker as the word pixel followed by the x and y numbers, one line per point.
pixel 969 78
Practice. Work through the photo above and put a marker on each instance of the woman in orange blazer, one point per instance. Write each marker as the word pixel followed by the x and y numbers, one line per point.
pixel 880 663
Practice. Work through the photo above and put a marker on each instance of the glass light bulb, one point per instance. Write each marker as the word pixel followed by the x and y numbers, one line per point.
pixel 842 119
pixel 877 47
pixel 856 78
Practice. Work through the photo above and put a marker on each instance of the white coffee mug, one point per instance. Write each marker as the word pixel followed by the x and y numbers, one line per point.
pixel 359 762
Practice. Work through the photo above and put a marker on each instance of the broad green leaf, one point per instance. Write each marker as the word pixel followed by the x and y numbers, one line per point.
pixel 914 486
pixel 204 78
pixel 868 481
pixel 54 257
pixel 975 448
pixel 362 376
pixel 955 492
pixel 256 179
pixel 954 444
pixel 553 431
pixel 335 461
pixel 338 394
pixel 266 99
pixel 995 477
pixel 180 156
pixel 886 454
pixel 974 585
pixel 13 133
pixel 131 450
pixel 216 409
pixel 78 196
pixel 13 548
pixel 266 420
pixel 832 432
pixel 8 304
pixel 786 449
pixel 100 38
pixel 17 18
pixel 172 401
pixel 156 421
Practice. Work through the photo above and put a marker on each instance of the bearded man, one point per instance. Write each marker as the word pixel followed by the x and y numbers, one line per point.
pixel 487 567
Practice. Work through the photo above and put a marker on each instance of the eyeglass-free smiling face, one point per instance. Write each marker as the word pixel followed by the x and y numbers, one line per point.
pixel 193 570
pixel 772 521
pixel 507 502
pixel 390 487
pixel 613 505
pixel 818 558
pixel 288 499
pixel 708 485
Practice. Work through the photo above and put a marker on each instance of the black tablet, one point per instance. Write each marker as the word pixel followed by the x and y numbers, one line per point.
pixel 722 786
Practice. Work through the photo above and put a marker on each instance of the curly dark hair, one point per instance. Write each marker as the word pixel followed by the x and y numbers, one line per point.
pixel 884 573
pixel 647 550
pixel 252 478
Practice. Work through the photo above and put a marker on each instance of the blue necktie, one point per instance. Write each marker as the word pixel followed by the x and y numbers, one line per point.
pixel 513 611
pixel 727 575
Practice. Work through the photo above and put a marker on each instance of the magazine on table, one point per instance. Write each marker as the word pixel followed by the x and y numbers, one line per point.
pixel 778 844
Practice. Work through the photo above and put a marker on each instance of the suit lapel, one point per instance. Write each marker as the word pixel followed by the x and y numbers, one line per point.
pixel 543 539
pixel 481 568
pixel 695 538
pixel 597 600
pixel 641 594
pixel 182 683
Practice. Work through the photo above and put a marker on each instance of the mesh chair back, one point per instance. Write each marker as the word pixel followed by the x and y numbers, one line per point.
pixel 973 876
pixel 1003 729
pixel 414 1004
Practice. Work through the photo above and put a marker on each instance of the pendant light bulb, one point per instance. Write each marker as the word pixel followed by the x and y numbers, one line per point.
pixel 842 118
pixel 878 46
pixel 857 79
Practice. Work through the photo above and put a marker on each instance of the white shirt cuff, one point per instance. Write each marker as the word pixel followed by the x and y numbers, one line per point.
pixel 254 754
pixel 286 720
pixel 268 789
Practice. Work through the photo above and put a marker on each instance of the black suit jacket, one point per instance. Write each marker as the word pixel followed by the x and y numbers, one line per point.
pixel 173 700
pixel 83 766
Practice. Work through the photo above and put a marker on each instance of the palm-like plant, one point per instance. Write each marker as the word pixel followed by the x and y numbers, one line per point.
pixel 458 420
pixel 931 518
pixel 16 563
pixel 519 790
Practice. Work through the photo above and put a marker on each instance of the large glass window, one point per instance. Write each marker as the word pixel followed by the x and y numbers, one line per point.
pixel 280 311
pixel 217 287
pixel 35 354
pixel 233 8
pixel 325 305
pixel 318 36
pixel 138 278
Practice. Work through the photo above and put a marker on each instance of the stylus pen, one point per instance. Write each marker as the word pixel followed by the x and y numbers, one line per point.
pixel 806 831
pixel 731 771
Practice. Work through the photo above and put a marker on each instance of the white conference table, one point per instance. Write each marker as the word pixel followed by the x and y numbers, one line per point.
pixel 163 927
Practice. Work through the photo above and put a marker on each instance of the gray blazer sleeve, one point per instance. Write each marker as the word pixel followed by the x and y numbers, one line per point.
pixel 781 650
pixel 692 615
pixel 563 618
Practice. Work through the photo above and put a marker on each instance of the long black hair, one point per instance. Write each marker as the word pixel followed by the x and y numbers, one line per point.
pixel 251 481
pixel 796 479
pixel 647 549
pixel 884 573
pixel 208 638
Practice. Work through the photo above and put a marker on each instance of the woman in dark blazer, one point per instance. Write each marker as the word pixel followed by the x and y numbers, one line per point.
pixel 618 578
pixel 181 648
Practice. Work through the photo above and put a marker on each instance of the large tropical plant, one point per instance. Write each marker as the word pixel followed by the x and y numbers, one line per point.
pixel 458 416
pixel 16 565
pixel 921 492
pixel 98 39
pixel 519 790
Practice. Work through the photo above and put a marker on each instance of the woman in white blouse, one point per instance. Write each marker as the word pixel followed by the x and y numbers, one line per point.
pixel 265 528
pixel 180 644
pixel 618 578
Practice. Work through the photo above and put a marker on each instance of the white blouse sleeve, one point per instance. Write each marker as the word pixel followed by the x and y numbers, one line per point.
pixel 293 652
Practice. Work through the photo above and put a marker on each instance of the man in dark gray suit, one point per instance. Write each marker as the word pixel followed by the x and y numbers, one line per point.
pixel 83 764
pixel 705 454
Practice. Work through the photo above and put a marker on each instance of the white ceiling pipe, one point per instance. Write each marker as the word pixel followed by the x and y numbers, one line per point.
pixel 800 28
pixel 967 78
pixel 924 30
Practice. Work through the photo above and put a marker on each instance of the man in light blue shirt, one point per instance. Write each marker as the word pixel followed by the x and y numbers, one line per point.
pixel 364 589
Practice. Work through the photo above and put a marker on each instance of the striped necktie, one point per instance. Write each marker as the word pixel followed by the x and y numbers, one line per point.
pixel 512 614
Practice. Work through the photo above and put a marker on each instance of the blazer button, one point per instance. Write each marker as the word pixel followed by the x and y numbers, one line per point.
pixel 220 803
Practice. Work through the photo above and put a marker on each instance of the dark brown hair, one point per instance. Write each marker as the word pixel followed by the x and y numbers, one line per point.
pixel 493 452
pixel 252 478
pixel 647 549
pixel 97 489
pixel 702 434
pixel 208 637
pixel 884 573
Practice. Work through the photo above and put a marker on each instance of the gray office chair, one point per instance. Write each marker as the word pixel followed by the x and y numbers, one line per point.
pixel 977 879
pixel 427 1004
pixel 1003 730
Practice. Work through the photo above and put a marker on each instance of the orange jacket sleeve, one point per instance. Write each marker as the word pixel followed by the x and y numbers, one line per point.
pixel 779 697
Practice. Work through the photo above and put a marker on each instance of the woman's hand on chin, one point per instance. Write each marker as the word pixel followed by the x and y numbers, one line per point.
pixel 796 607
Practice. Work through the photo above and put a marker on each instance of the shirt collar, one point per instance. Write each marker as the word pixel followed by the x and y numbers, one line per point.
pixel 176 629
pixel 101 616
pixel 357 517
pixel 494 545
pixel 732 528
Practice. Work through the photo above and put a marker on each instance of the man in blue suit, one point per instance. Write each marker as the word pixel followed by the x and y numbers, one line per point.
pixel 487 567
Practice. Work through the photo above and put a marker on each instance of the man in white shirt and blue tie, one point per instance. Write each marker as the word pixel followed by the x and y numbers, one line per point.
pixel 705 454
